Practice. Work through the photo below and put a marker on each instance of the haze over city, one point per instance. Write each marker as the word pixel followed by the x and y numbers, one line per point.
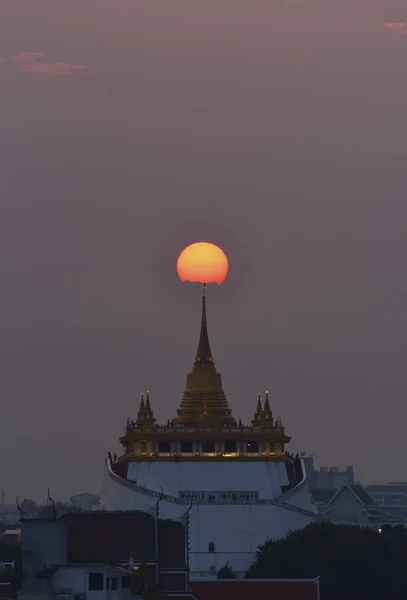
pixel 273 129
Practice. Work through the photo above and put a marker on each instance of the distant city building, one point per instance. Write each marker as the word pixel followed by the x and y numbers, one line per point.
pixel 350 505
pixel 327 478
pixel 9 514
pixel 391 498
pixel 11 535
pixel 85 501
pixel 237 481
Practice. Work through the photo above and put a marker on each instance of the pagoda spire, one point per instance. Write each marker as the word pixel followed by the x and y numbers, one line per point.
pixel 148 405
pixel 145 415
pixel 259 412
pixel 268 414
pixel 204 401
pixel 203 354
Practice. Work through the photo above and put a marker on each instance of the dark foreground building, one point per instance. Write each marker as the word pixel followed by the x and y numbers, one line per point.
pixel 127 555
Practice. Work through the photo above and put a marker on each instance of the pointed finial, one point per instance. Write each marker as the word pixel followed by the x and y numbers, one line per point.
pixel 142 407
pixel 148 407
pixel 204 353
pixel 259 412
pixel 268 414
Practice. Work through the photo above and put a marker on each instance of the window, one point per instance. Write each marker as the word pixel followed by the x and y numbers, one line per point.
pixel 95 581
pixel 126 582
pixel 252 447
pixel 211 547
pixel 114 583
pixel 164 447
pixel 143 447
pixel 230 448
pixel 186 447
pixel 208 447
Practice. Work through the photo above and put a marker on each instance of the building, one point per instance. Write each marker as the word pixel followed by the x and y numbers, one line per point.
pixel 85 501
pixel 391 498
pixel 11 535
pixel 8 514
pixel 327 478
pixel 237 482
pixel 350 505
pixel 257 589
pixel 79 581
pixel 93 555
pixel 97 556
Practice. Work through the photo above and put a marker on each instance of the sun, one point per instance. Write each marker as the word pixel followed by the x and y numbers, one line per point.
pixel 202 262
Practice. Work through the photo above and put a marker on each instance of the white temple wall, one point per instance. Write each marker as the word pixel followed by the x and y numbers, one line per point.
pixel 264 477
pixel 116 496
pixel 236 532
pixel 301 498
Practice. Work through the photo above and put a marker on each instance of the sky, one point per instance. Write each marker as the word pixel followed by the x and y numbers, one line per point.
pixel 275 129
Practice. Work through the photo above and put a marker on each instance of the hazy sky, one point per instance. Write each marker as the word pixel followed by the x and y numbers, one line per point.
pixel 129 129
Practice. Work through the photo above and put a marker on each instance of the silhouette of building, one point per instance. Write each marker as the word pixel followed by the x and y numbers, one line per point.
pixel 391 498
pixel 350 505
pixel 237 481
pixel 79 554
pixel 327 478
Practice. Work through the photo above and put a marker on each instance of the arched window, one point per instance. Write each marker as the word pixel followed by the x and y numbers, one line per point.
pixel 211 547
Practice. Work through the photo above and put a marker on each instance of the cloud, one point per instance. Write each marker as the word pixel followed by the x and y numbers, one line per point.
pixel 30 62
pixel 399 28
pixel 27 57
pixel 54 69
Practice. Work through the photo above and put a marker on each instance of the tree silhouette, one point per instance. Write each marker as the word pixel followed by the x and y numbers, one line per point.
pixel 226 572
pixel 353 562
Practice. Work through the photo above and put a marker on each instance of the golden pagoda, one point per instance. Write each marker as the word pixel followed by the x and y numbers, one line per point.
pixel 204 428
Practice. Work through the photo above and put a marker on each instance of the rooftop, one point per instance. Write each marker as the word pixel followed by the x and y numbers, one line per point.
pixel 257 589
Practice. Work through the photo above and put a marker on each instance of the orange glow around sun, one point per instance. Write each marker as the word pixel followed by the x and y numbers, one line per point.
pixel 202 262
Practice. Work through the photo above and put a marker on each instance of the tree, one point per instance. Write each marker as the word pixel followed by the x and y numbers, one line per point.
pixel 226 572
pixel 29 506
pixel 10 552
pixel 353 562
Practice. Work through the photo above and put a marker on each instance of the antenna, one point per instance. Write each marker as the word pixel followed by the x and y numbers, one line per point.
pixel 204 290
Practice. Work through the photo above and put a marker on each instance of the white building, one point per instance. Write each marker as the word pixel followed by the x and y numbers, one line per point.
pixel 47 575
pixel 237 483
pixel 79 581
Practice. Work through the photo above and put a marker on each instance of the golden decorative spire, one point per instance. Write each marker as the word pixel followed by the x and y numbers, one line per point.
pixel 148 406
pixel 203 354
pixel 145 415
pixel 268 414
pixel 204 401
pixel 258 413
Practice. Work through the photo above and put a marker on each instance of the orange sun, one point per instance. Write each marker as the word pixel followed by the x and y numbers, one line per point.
pixel 202 262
